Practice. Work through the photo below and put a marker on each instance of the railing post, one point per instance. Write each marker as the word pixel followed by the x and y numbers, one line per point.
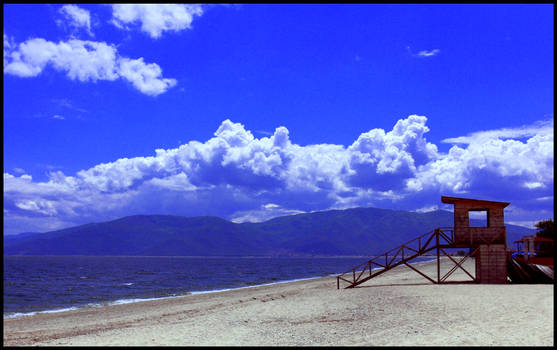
pixel 338 283
pixel 353 276
pixel 438 259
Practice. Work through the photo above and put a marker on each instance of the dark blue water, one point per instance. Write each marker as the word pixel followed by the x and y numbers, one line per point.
pixel 47 283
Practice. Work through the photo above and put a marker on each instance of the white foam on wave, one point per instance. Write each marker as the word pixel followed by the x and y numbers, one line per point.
pixel 90 305
pixel 22 314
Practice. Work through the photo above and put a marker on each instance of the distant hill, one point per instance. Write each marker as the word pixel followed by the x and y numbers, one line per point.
pixel 357 231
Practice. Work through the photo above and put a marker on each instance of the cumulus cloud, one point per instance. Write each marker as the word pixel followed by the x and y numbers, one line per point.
pixel 485 167
pixel 83 61
pixel 488 167
pixel 380 160
pixel 77 17
pixel 144 77
pixel 155 18
pixel 240 177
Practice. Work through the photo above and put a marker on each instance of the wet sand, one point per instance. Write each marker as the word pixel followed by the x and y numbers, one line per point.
pixel 399 307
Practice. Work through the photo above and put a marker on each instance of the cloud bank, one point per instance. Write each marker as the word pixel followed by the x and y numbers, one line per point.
pixel 83 61
pixel 240 177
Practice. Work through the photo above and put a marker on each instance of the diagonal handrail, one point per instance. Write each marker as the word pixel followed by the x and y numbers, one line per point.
pixel 381 255
pixel 444 237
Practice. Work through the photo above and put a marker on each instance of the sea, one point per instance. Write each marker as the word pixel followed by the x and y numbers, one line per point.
pixel 44 284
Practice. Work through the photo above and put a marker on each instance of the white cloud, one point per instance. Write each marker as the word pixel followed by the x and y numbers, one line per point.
pixel 68 106
pixel 385 158
pixel 84 61
pixel 8 46
pixel 144 77
pixel 156 18
pixel 507 170
pixel 77 17
pixel 57 116
pixel 532 185
pixel 266 212
pixel 423 53
pixel 544 127
pixel 426 53
pixel 238 176
pixel 427 209
pixel 40 206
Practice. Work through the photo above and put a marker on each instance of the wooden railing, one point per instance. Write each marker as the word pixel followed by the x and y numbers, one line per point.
pixel 438 239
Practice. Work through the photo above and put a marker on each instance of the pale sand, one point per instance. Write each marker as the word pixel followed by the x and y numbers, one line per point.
pixel 397 308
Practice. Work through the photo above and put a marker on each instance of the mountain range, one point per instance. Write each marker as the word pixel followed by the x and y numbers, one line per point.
pixel 356 231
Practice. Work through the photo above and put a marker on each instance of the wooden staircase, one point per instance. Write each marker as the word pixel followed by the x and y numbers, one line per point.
pixel 437 240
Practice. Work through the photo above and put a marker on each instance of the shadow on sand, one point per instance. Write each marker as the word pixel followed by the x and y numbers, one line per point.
pixel 413 284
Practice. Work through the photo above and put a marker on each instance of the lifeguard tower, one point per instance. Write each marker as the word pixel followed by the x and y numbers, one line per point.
pixel 489 240
pixel 487 243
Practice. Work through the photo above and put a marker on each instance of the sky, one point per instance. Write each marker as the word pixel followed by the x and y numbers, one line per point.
pixel 249 112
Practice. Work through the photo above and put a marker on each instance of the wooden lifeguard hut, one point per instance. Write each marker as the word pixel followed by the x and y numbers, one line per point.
pixel 489 240
pixel 487 243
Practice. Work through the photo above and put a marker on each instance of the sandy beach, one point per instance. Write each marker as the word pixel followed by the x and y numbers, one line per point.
pixel 399 307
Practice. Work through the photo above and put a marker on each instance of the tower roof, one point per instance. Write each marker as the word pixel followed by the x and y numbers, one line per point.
pixel 471 201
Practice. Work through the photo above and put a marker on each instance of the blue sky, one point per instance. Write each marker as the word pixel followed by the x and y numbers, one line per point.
pixel 253 111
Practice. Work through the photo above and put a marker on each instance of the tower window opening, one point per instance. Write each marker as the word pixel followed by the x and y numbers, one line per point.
pixel 479 218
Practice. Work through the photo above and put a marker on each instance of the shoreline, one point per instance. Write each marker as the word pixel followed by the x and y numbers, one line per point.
pixel 15 314
pixel 399 307
pixel 138 300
